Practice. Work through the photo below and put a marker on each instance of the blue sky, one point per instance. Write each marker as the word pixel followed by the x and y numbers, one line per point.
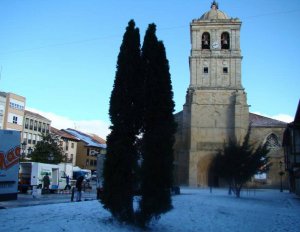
pixel 61 54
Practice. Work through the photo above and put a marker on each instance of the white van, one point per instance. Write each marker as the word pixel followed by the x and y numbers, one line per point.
pixel 32 174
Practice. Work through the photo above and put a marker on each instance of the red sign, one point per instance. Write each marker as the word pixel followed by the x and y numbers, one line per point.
pixel 9 158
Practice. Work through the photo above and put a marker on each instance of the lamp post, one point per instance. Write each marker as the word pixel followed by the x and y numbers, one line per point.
pixel 29 151
pixel 23 147
pixel 281 173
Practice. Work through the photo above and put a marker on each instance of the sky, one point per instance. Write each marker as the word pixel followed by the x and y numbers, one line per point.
pixel 61 54
pixel 194 210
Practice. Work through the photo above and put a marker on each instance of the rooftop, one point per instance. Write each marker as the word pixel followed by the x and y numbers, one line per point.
pixel 63 134
pixel 214 13
pixel 85 138
pixel 262 121
pixel 36 115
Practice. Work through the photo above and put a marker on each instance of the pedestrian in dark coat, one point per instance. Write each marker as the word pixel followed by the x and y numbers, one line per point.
pixel 46 181
pixel 79 187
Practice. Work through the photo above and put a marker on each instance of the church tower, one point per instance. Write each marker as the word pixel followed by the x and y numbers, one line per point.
pixel 216 106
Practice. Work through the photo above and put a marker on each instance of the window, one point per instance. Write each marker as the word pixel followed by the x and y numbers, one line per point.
pixel 40 127
pixel 205 69
pixel 225 70
pixel 272 142
pixel 47 128
pixel 15 120
pixel 205 40
pixel 33 139
pixel 35 125
pixel 43 127
pixel 72 145
pixel 25 137
pixel 31 124
pixel 29 138
pixel 26 123
pixel 225 40
pixel 15 104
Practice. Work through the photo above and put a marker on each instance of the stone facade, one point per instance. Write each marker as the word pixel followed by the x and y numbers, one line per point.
pixel 216 106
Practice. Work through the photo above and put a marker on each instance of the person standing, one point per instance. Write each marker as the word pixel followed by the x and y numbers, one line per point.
pixel 46 182
pixel 79 187
pixel 68 187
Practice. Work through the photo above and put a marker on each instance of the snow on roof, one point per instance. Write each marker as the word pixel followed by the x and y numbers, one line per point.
pixel 63 134
pixel 85 138
pixel 262 121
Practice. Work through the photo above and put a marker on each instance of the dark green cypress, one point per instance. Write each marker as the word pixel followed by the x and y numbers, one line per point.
pixel 159 128
pixel 125 115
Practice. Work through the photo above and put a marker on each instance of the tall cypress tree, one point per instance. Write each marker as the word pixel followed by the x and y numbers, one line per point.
pixel 125 115
pixel 159 128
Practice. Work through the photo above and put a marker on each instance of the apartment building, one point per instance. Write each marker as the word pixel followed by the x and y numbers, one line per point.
pixel 12 107
pixel 2 108
pixel 68 144
pixel 34 126
pixel 87 149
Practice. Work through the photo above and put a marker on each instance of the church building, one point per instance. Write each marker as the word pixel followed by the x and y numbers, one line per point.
pixel 216 106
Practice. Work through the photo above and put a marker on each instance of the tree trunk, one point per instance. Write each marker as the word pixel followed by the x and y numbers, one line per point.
pixel 238 191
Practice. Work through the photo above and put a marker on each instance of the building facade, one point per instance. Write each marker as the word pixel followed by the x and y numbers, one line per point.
pixel 216 108
pixel 34 126
pixel 13 112
pixel 88 148
pixel 2 108
pixel 68 144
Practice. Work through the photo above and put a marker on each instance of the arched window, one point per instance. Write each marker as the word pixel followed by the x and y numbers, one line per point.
pixel 272 142
pixel 225 40
pixel 205 40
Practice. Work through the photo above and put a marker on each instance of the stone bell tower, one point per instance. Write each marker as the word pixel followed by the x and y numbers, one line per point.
pixel 216 106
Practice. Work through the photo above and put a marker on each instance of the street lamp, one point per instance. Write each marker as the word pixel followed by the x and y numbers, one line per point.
pixel 281 173
pixel 29 151
pixel 23 147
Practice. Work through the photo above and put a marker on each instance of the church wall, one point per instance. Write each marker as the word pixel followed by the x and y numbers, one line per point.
pixel 259 135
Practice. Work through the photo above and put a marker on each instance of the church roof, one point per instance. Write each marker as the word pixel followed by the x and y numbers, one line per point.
pixel 262 121
pixel 256 120
pixel 214 13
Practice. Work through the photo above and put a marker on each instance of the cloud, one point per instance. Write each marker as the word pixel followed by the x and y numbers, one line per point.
pixel 97 127
pixel 284 117
pixel 281 117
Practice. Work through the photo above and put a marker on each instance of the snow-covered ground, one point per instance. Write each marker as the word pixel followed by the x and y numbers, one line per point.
pixel 194 210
